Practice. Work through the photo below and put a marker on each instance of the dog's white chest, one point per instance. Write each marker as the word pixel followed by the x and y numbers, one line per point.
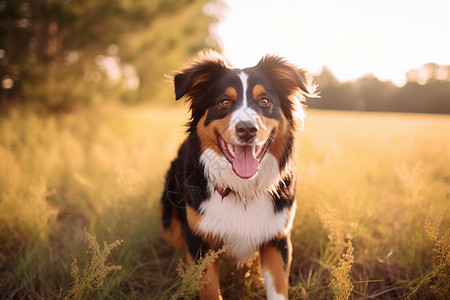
pixel 243 227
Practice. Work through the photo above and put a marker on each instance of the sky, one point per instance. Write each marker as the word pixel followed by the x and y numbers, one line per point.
pixel 352 38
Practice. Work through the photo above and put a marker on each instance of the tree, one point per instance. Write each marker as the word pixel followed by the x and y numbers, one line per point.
pixel 427 91
pixel 373 94
pixel 334 94
pixel 61 53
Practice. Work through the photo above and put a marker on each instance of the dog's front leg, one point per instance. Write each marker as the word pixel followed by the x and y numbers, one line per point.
pixel 198 247
pixel 275 261
pixel 209 283
pixel 211 287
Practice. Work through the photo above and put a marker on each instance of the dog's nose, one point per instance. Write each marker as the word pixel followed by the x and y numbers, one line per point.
pixel 246 130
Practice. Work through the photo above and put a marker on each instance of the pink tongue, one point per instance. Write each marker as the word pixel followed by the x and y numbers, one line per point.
pixel 245 164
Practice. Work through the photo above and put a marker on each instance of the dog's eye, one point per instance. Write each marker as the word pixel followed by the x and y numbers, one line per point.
pixel 264 102
pixel 225 102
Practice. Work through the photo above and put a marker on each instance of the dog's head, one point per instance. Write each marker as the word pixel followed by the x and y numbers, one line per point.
pixel 243 114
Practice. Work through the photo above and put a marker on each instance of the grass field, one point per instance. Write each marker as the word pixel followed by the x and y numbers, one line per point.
pixel 373 195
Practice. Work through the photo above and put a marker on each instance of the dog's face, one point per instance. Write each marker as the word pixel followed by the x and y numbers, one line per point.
pixel 242 114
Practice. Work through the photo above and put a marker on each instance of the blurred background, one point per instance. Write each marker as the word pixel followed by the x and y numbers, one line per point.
pixel 89 126
pixel 56 55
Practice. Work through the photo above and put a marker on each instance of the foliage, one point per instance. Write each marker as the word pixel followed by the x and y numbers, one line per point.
pixel 191 274
pixel 340 283
pixel 339 231
pixel 428 91
pixel 441 271
pixel 95 168
pixel 94 273
pixel 62 54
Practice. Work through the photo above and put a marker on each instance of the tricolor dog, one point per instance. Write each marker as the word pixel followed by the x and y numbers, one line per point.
pixel 233 181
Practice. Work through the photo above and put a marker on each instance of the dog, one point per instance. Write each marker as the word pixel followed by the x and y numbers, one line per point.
pixel 233 181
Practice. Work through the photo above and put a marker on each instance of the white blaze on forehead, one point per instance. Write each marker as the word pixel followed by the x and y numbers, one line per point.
pixel 245 113
pixel 244 81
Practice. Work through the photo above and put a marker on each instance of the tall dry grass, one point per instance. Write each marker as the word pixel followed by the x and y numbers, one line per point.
pixel 97 169
pixel 95 271
pixel 375 178
pixel 372 192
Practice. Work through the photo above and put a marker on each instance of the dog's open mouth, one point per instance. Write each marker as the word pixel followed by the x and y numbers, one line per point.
pixel 244 159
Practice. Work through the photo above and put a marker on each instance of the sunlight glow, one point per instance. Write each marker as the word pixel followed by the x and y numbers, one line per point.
pixel 352 38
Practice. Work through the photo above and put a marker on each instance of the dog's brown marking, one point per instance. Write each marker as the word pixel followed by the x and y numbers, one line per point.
pixel 193 218
pixel 208 134
pixel 174 233
pixel 208 139
pixel 266 126
pixel 211 287
pixel 272 260
pixel 210 280
pixel 258 92
pixel 231 93
pixel 278 146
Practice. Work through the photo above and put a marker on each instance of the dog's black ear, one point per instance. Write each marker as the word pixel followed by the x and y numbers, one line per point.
pixel 182 82
pixel 194 78
pixel 289 76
